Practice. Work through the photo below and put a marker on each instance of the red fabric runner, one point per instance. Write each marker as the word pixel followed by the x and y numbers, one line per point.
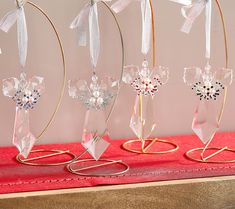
pixel 15 177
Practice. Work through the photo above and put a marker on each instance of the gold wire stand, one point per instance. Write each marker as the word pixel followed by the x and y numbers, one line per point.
pixel 54 153
pixel 146 149
pixel 208 159
pixel 142 148
pixel 102 162
pixel 31 161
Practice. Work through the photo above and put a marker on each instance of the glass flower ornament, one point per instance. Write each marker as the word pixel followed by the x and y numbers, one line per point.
pixel 146 83
pixel 96 96
pixel 26 94
pixel 208 85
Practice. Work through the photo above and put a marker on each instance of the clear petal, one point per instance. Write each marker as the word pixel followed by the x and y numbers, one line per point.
pixel 36 83
pixel 163 73
pixel 10 86
pixel 129 73
pixel 192 75
pixel 225 76
pixel 78 88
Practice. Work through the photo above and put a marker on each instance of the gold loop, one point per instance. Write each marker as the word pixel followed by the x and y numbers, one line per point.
pixel 28 161
pixel 145 149
pixel 107 163
pixel 123 60
pixel 206 160
pixel 64 68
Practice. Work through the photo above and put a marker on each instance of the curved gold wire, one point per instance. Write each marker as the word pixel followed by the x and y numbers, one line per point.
pixel 69 168
pixel 143 149
pixel 54 153
pixel 107 162
pixel 206 159
pixel 64 68
pixel 28 161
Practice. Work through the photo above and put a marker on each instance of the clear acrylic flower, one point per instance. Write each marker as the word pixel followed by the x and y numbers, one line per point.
pixel 145 81
pixel 96 95
pixel 26 93
pixel 208 85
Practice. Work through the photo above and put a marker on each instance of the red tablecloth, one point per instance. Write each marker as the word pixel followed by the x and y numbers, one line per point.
pixel 15 177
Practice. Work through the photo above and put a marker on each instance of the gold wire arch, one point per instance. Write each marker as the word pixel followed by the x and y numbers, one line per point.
pixel 218 150
pixel 143 148
pixel 28 161
pixel 102 162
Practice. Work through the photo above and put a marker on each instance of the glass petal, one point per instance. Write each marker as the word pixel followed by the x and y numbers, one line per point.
pixel 142 121
pixel 129 73
pixel 192 75
pixel 95 128
pixel 163 73
pixel 77 88
pixel 10 86
pixel 23 139
pixel 205 122
pixel 225 76
pixel 37 83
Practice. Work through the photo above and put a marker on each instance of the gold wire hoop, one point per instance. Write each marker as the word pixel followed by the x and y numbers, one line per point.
pixel 27 161
pixel 107 119
pixel 107 162
pixel 207 159
pixel 202 158
pixel 54 153
pixel 146 149
pixel 143 149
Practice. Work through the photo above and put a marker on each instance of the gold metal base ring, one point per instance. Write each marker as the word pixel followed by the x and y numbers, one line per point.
pixel 207 159
pixel 145 150
pixel 92 168
pixel 53 153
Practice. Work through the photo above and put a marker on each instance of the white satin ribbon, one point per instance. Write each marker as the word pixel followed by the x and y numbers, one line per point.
pixel 190 11
pixel 120 5
pixel 8 21
pixel 87 20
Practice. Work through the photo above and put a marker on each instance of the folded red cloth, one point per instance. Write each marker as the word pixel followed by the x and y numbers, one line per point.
pixel 15 177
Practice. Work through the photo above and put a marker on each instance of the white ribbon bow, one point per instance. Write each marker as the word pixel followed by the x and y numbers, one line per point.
pixel 87 20
pixel 146 20
pixel 9 20
pixel 190 11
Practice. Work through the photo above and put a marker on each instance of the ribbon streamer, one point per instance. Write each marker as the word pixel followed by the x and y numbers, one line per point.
pixel 192 10
pixel 146 20
pixel 88 21
pixel 17 16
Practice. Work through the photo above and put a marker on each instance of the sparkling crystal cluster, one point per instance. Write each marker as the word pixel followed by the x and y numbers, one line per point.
pixel 25 93
pixel 97 95
pixel 145 81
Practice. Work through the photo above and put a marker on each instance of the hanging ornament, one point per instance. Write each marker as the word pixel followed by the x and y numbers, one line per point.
pixel 208 84
pixel 23 91
pixel 146 81
pixel 97 95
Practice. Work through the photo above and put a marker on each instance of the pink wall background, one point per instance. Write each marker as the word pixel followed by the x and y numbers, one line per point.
pixel 175 103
